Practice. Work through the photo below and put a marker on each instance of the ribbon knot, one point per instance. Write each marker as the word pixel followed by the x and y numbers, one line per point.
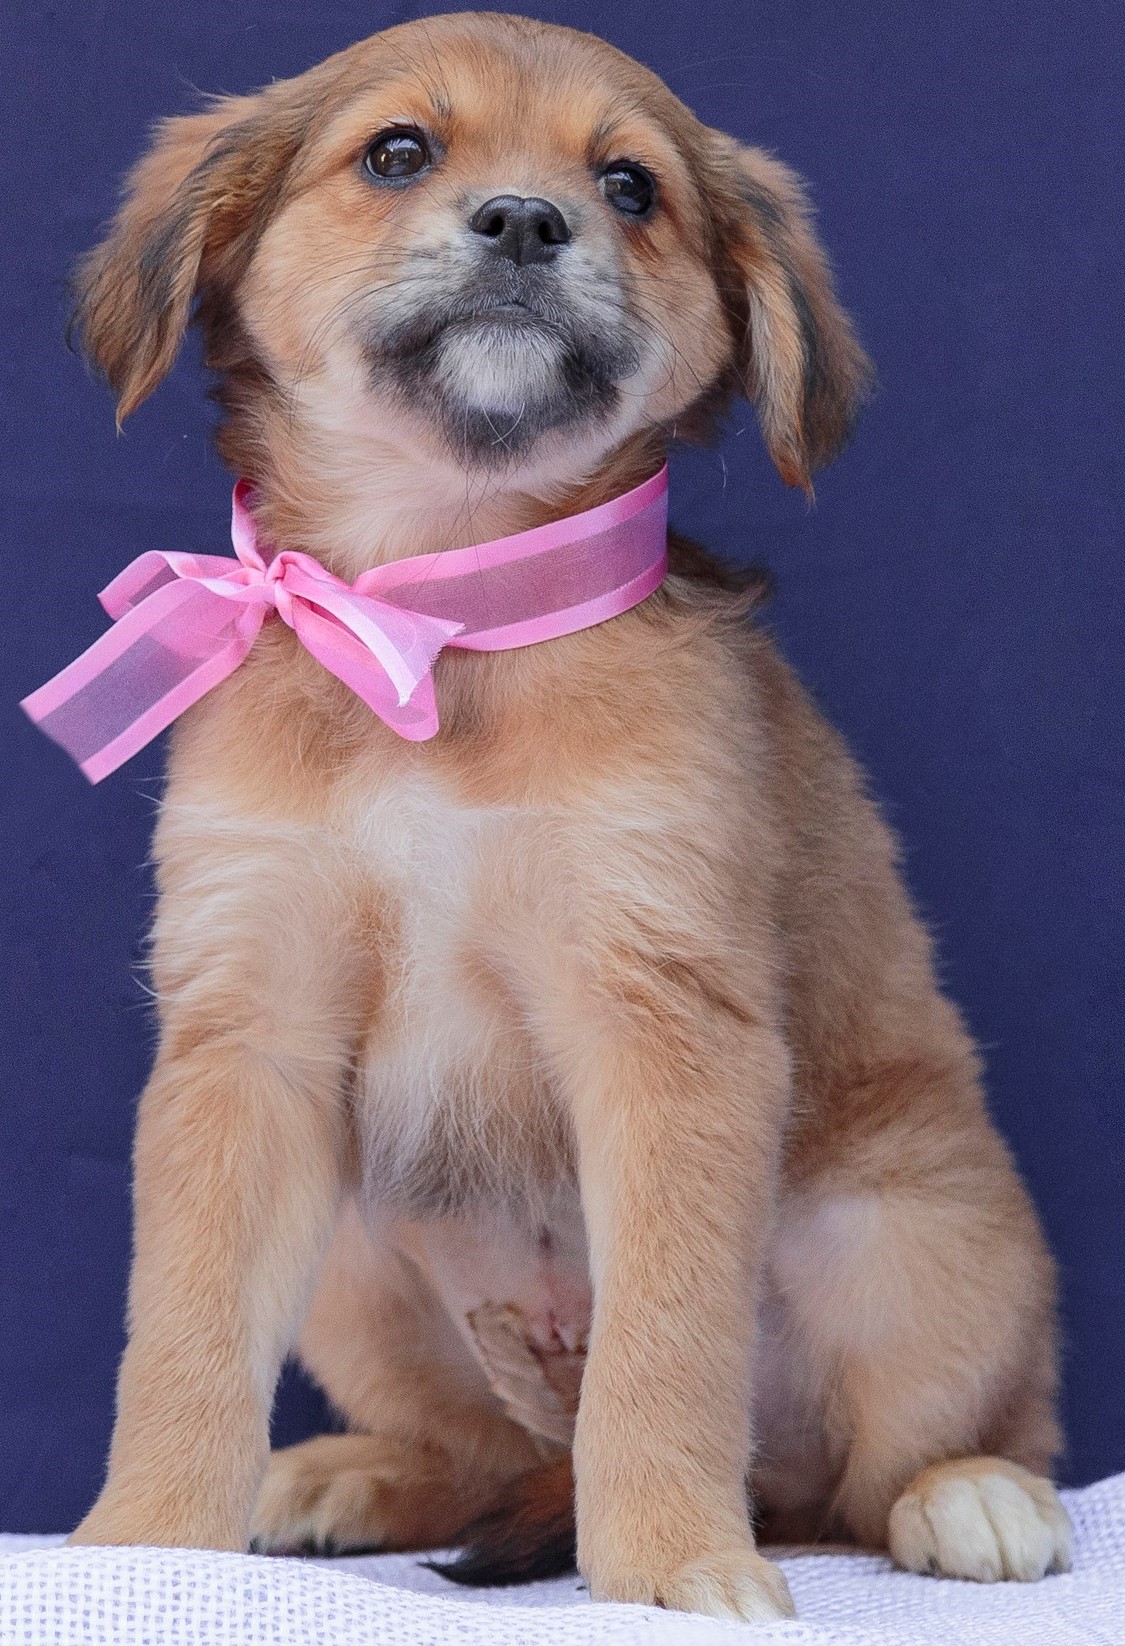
pixel 184 622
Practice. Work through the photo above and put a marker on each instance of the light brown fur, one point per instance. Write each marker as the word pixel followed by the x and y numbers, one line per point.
pixel 620 959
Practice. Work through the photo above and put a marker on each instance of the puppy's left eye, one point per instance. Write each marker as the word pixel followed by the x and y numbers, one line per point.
pixel 629 189
pixel 395 154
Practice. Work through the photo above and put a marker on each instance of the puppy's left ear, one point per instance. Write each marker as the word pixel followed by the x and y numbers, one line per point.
pixel 796 355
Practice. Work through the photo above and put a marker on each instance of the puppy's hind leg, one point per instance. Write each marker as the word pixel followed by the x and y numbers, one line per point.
pixel 926 1302
pixel 340 1494
pixel 431 1446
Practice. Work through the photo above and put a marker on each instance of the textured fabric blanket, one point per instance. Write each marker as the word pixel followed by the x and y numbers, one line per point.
pixel 158 1597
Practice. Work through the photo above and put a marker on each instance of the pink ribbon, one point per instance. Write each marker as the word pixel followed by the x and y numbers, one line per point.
pixel 184 622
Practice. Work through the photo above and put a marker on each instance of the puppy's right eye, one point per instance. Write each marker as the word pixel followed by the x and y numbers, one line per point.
pixel 397 154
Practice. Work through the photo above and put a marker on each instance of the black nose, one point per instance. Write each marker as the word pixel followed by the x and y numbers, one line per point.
pixel 527 231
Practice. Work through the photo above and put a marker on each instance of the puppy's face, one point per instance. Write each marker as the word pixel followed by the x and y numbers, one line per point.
pixel 497 239
pixel 512 250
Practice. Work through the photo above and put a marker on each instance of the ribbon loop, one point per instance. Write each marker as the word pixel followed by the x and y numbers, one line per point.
pixel 184 622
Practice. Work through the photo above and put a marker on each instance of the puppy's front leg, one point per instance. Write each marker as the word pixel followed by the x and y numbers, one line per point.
pixel 678 1097
pixel 237 1167
pixel 236 1180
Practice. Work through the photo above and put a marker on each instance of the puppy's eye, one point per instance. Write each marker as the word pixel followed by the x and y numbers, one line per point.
pixel 395 154
pixel 629 189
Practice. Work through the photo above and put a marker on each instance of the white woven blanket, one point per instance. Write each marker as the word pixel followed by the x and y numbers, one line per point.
pixel 157 1597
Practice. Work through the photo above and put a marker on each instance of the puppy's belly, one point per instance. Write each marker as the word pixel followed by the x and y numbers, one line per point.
pixel 517 1290
pixel 466 1168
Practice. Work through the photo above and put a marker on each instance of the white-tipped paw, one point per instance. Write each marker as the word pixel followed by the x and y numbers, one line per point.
pixel 983 1519
pixel 732 1582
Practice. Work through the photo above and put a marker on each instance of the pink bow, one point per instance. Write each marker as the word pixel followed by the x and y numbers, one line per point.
pixel 183 622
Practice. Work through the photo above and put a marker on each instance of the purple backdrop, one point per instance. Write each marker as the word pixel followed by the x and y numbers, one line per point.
pixel 954 599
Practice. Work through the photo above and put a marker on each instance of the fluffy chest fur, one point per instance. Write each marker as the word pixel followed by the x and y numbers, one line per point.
pixel 438 900
pixel 452 1105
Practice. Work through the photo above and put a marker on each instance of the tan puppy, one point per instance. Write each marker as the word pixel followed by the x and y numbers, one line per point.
pixel 597 1036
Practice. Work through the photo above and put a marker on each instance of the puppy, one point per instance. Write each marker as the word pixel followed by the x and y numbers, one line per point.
pixel 575 1085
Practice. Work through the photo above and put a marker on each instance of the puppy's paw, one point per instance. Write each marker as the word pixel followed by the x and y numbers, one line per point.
pixel 732 1582
pixel 980 1518
pixel 332 1494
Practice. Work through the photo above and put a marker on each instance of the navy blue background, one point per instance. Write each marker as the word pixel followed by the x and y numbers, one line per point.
pixel 954 598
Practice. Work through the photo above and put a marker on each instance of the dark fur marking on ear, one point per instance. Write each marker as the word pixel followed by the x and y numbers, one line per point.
pixel 772 219
pixel 816 369
pixel 261 168
pixel 764 203
pixel 156 262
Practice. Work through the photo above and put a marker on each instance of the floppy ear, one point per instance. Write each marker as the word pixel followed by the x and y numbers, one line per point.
pixel 797 357
pixel 193 208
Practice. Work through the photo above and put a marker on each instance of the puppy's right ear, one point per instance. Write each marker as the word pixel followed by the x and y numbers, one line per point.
pixel 192 210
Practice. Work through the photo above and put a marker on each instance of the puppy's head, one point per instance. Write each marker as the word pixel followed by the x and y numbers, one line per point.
pixel 492 238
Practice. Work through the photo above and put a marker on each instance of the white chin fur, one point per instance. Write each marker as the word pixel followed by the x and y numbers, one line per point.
pixel 499 369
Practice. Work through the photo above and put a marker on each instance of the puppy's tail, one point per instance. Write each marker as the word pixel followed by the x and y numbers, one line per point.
pixel 527 1533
